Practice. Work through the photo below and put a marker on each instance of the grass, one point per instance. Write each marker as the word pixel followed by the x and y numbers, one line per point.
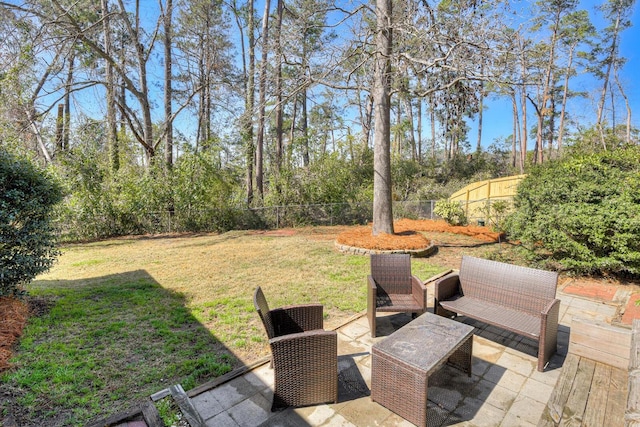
pixel 102 347
pixel 131 316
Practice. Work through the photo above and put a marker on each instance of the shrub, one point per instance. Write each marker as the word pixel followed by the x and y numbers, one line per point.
pixel 451 212
pixel 582 213
pixel 27 245
pixel 495 213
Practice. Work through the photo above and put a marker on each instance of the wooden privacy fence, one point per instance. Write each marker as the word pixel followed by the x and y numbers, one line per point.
pixel 475 197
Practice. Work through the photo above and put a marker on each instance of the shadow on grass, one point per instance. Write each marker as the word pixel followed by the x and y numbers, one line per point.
pixel 102 346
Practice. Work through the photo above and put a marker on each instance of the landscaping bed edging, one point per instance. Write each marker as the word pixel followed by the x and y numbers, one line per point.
pixel 417 253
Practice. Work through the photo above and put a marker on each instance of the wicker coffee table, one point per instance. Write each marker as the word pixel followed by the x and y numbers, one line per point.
pixel 403 362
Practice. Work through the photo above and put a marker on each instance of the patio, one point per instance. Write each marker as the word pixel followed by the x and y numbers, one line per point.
pixel 504 390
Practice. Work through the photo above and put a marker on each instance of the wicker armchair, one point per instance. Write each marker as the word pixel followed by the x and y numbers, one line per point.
pixel 391 287
pixel 304 356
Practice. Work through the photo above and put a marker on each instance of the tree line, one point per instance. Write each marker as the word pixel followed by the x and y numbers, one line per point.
pixel 273 101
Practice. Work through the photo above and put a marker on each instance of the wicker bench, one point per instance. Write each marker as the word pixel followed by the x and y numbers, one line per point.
pixel 519 299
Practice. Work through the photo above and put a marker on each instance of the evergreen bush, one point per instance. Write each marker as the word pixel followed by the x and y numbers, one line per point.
pixel 27 237
pixel 451 212
pixel 582 213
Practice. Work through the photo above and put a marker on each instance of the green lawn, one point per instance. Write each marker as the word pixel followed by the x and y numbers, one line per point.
pixel 129 317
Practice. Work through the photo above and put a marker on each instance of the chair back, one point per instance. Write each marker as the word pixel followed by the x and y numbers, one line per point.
pixel 261 306
pixel 392 272
pixel 522 288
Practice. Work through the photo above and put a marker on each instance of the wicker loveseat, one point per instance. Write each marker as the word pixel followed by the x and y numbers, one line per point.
pixel 518 299
pixel 392 288
pixel 303 355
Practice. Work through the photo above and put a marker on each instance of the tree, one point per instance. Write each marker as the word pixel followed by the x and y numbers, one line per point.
pixel 576 29
pixel 168 83
pixel 382 200
pixel 248 80
pixel 110 91
pixel 553 11
pixel 262 101
pixel 28 242
pixel 616 12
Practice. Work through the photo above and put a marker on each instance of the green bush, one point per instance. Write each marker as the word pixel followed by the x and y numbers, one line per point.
pixel 195 195
pixel 582 213
pixel 451 212
pixel 27 242
pixel 495 214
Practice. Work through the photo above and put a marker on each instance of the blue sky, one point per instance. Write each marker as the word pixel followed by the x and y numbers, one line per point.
pixel 497 121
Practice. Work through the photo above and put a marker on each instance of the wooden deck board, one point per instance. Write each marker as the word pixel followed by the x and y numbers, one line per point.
pixel 617 401
pixel 573 410
pixel 553 411
pixel 588 393
pixel 595 411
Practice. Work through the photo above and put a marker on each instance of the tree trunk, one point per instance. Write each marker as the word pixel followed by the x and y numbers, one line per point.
pixel 382 199
pixel 168 89
pixel 432 117
pixel 523 106
pixel 626 103
pixel 305 127
pixel 279 110
pixel 607 74
pixel 412 135
pixel 67 101
pixel 262 89
pixel 59 129
pixel 516 127
pixel 480 111
pixel 143 94
pixel 565 95
pixel 419 130
pixel 547 91
pixel 112 125
pixel 249 102
pixel 292 130
pixel 552 122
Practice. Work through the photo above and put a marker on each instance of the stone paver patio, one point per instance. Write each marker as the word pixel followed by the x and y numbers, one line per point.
pixel 505 388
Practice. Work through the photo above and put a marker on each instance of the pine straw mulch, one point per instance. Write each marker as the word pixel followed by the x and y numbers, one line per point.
pixel 13 317
pixel 407 235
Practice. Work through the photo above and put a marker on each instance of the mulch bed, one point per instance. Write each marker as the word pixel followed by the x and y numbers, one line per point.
pixel 407 235
pixel 477 232
pixel 13 317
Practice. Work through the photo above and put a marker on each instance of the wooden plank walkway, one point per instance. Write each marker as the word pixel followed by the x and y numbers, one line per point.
pixel 588 393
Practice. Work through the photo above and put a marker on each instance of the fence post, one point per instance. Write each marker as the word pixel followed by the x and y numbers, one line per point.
pixel 466 209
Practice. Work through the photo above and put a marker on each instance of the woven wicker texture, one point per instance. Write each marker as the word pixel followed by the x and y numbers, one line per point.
pixel 304 357
pixel 392 288
pixel 403 362
pixel 518 299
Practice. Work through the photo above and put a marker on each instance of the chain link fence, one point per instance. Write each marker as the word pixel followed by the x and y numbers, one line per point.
pixel 98 226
